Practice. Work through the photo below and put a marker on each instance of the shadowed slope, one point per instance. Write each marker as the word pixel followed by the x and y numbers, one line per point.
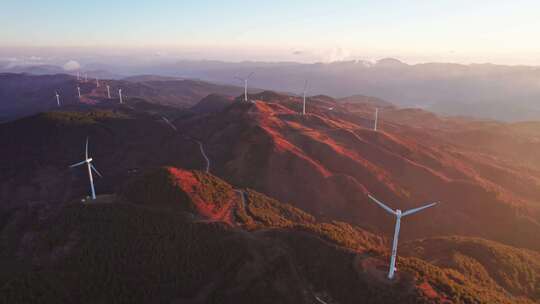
pixel 151 252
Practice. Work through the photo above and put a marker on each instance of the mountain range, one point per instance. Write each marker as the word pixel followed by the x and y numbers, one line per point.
pixel 237 202
pixel 24 94
pixel 486 91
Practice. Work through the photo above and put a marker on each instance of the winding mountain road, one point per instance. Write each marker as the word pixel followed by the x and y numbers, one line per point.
pixel 168 122
pixel 205 156
pixel 201 148
pixel 319 299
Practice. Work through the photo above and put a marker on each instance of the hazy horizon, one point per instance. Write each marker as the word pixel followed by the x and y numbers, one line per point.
pixel 412 31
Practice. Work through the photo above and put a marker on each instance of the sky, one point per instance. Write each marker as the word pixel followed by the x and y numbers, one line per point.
pixel 503 32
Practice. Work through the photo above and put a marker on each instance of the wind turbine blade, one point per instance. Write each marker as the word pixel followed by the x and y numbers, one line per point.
pixel 409 212
pixel 86 151
pixel 78 164
pixel 249 76
pixel 388 209
pixel 239 78
pixel 95 170
pixel 305 86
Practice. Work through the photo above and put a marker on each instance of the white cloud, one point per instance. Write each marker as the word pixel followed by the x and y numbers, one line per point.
pixel 336 54
pixel 72 65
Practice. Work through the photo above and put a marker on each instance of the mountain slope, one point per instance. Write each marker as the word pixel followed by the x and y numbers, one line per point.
pixel 163 249
pixel 328 161
pixel 122 141
pixel 492 265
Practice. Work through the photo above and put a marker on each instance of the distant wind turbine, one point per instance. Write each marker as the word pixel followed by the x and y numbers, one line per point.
pixel 108 92
pixel 85 77
pixel 79 91
pixel 120 95
pixel 88 161
pixel 97 82
pixel 245 80
pixel 304 104
pixel 57 98
pixel 78 76
pixel 376 119
pixel 398 215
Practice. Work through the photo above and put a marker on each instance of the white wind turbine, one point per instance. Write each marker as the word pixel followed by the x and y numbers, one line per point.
pixel 108 92
pixel 57 98
pixel 88 162
pixel 120 95
pixel 245 80
pixel 398 215
pixel 304 104
pixel 97 82
pixel 376 119
pixel 79 91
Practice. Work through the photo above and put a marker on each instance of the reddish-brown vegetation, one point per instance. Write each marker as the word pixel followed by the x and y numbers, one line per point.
pixel 327 161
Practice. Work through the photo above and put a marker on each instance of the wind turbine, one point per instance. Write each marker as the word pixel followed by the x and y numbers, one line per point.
pixel 78 76
pixel 108 91
pixel 245 80
pixel 88 162
pixel 376 119
pixel 398 215
pixel 85 77
pixel 120 95
pixel 79 91
pixel 97 82
pixel 57 98
pixel 304 105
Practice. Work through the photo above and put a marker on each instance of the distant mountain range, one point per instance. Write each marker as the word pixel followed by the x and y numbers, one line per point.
pixel 488 91
pixel 25 94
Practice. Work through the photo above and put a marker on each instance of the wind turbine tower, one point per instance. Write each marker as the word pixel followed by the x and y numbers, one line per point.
pixel 97 82
pixel 79 91
pixel 245 80
pixel 108 92
pixel 57 98
pixel 120 95
pixel 398 214
pixel 88 161
pixel 376 119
